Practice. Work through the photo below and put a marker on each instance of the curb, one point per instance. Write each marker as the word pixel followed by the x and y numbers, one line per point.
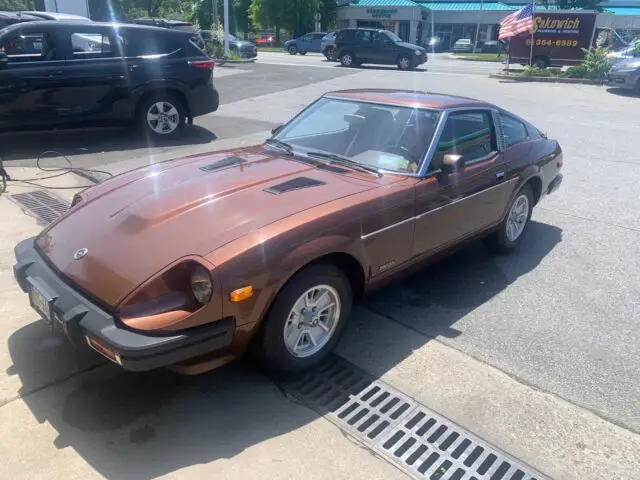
pixel 471 59
pixel 220 63
pixel 519 78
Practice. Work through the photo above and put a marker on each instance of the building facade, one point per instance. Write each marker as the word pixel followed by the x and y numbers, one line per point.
pixel 416 21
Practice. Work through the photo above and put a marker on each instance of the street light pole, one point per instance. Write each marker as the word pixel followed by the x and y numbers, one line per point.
pixel 478 26
pixel 214 14
pixel 226 28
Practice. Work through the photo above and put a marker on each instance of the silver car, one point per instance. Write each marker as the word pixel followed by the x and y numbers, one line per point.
pixel 625 74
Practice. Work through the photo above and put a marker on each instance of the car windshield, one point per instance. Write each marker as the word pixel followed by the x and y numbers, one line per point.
pixel 393 36
pixel 386 137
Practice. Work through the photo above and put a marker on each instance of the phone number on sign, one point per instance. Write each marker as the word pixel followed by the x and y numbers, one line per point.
pixel 553 43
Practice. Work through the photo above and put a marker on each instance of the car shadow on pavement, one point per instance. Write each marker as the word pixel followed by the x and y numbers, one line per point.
pixel 144 425
pixel 622 92
pixel 29 145
pixel 391 68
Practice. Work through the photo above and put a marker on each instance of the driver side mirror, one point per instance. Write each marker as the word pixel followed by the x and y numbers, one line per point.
pixel 275 130
pixel 452 163
pixel 4 59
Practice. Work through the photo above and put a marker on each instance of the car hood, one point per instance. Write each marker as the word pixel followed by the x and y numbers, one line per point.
pixel 411 45
pixel 135 226
pixel 626 64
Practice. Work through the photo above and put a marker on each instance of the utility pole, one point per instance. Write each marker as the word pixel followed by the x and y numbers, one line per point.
pixel 226 28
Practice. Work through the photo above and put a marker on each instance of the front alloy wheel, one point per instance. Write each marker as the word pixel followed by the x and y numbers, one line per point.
pixel 404 63
pixel 346 60
pixel 306 319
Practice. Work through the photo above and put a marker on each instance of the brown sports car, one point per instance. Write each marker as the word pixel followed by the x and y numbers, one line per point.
pixel 188 263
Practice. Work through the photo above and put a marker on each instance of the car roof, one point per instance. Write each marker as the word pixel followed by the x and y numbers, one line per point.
pixel 18 15
pixel 89 23
pixel 57 15
pixel 409 98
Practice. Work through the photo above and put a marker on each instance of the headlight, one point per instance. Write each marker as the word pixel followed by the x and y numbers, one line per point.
pixel 201 284
pixel 417 52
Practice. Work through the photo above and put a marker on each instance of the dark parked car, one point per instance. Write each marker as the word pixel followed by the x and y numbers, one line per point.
pixel 242 48
pixel 156 77
pixel 311 42
pixel 174 25
pixel 67 17
pixel 356 46
pixel 9 18
pixel 490 46
pixel 361 187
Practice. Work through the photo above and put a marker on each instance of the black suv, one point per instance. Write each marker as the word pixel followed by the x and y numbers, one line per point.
pixel 9 18
pixel 55 73
pixel 355 46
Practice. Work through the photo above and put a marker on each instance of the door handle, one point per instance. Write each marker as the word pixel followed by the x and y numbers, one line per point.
pixel 55 73
pixel 133 67
pixel 500 176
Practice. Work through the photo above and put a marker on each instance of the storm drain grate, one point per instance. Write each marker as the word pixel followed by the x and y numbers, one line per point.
pixel 45 206
pixel 422 443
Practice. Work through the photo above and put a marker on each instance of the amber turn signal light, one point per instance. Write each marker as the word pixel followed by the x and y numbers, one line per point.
pixel 241 294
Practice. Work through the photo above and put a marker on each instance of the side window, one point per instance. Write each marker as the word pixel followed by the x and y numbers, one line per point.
pixel 318 36
pixel 363 36
pixel 90 45
pixel 29 47
pixel 466 133
pixel 513 130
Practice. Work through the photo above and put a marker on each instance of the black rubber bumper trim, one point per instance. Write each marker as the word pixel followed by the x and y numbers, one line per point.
pixel 78 317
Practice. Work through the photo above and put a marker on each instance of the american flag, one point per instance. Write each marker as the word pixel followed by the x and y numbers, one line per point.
pixel 517 22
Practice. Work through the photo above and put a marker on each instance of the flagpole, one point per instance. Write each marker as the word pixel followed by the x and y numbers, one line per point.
pixel 533 19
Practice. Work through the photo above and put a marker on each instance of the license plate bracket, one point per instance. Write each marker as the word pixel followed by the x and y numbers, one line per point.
pixel 41 298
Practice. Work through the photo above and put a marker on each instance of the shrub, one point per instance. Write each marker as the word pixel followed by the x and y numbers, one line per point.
pixel 532 71
pixel 596 63
pixel 578 71
pixel 636 50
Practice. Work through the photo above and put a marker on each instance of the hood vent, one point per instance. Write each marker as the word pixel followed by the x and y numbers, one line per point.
pixel 295 184
pixel 222 163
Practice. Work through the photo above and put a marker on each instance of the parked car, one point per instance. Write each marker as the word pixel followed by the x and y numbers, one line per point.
pixel 328 48
pixel 490 46
pixel 265 38
pixel 463 45
pixel 625 73
pixel 67 17
pixel 356 46
pixel 359 188
pixel 155 77
pixel 311 42
pixel 9 18
pixel 243 48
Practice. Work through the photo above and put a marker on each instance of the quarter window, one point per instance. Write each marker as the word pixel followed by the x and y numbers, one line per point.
pixel 466 133
pixel 513 130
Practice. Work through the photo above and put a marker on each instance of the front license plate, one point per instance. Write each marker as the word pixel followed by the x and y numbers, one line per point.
pixel 40 303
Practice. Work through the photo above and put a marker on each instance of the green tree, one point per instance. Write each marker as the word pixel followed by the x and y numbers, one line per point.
pixel 16 5
pixel 296 16
pixel 578 4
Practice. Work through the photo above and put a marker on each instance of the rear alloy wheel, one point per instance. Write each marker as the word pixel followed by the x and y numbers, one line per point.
pixel 293 50
pixel 330 53
pixel 306 319
pixel 511 231
pixel 162 116
pixel 405 63
pixel 347 59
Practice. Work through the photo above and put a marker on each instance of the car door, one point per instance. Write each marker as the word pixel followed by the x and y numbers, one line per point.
pixel 31 78
pixel 365 46
pixel 316 42
pixel 94 74
pixel 386 51
pixel 456 205
pixel 304 43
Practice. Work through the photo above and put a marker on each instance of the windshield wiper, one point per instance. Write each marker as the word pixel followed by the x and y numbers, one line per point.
pixel 347 162
pixel 280 144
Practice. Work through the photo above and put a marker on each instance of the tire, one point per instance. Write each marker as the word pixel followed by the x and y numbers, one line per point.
pixel 637 89
pixel 405 62
pixel 276 353
pixel 540 62
pixel 330 53
pixel 502 241
pixel 167 104
pixel 347 59
pixel 303 53
pixel 293 50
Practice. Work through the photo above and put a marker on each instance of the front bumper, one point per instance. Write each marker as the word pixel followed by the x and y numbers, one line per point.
pixel 626 80
pixel 84 322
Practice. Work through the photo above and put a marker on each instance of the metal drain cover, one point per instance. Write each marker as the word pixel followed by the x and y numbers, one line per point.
pixel 43 205
pixel 422 443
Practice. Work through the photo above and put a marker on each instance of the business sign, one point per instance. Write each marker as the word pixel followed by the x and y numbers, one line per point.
pixel 552 24
pixel 381 12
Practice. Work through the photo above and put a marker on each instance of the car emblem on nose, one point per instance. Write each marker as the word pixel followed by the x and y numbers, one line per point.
pixel 80 254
